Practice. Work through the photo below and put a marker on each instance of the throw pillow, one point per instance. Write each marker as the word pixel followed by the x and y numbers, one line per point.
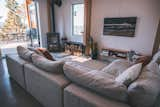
pixel 24 53
pixel 146 89
pixel 129 75
pixel 117 67
pixel 45 53
pixel 47 65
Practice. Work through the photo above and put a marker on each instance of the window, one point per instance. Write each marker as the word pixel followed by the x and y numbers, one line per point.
pixel 77 19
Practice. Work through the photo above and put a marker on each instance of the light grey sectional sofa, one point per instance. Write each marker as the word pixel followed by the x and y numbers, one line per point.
pixel 53 89
pixel 87 88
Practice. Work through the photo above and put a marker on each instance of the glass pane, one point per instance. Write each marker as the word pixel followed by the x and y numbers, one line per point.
pixel 18 25
pixel 78 19
pixel 13 25
pixel 33 29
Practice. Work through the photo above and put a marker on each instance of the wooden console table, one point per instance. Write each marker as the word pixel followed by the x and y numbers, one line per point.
pixel 113 54
pixel 117 53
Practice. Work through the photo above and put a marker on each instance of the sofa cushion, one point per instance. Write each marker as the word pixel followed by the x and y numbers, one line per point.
pixel 96 81
pixel 144 91
pixel 116 67
pixel 47 65
pixel 129 75
pixel 24 53
pixel 156 58
pixel 35 50
pixel 43 52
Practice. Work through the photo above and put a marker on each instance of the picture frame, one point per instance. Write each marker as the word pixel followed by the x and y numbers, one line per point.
pixel 122 26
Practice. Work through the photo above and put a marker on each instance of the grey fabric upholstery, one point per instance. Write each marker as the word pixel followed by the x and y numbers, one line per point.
pixel 96 81
pixel 16 68
pixel 117 67
pixel 145 90
pixel 156 57
pixel 75 96
pixel 47 65
pixel 83 61
pixel 46 87
pixel 130 74
pixel 24 53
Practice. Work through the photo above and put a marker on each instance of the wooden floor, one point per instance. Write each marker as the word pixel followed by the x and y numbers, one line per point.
pixel 11 94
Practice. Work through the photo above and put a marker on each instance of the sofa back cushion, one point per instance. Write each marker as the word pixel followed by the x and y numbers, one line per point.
pixel 129 75
pixel 47 65
pixel 117 67
pixel 145 90
pixel 97 81
pixel 24 53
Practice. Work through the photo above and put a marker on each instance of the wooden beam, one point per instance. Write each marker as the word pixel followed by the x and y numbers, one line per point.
pixel 29 1
pixel 27 12
pixel 87 24
pixel 156 45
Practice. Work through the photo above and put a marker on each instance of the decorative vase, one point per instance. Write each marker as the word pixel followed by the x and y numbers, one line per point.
pixel 94 51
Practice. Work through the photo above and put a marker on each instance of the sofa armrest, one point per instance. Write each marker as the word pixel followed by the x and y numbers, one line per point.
pixel 46 87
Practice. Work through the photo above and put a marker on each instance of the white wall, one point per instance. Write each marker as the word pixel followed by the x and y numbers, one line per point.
pixel 43 21
pixel 148 13
pixel 63 19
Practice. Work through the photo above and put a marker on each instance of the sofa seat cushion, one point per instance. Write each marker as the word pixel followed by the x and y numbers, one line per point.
pixel 117 67
pixel 77 96
pixel 97 81
pixel 145 90
pixel 47 65
pixel 24 53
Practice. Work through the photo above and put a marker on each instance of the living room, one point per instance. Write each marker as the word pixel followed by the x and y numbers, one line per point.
pixel 91 53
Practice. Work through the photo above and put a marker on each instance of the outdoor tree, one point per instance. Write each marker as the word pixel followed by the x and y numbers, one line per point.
pixel 13 21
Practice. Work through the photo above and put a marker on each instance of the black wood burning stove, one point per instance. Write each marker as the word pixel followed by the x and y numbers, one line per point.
pixel 53 42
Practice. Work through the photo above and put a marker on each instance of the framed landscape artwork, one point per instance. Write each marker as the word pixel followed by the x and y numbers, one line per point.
pixel 120 26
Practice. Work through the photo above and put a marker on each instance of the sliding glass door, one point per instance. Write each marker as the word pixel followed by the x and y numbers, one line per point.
pixel 33 31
